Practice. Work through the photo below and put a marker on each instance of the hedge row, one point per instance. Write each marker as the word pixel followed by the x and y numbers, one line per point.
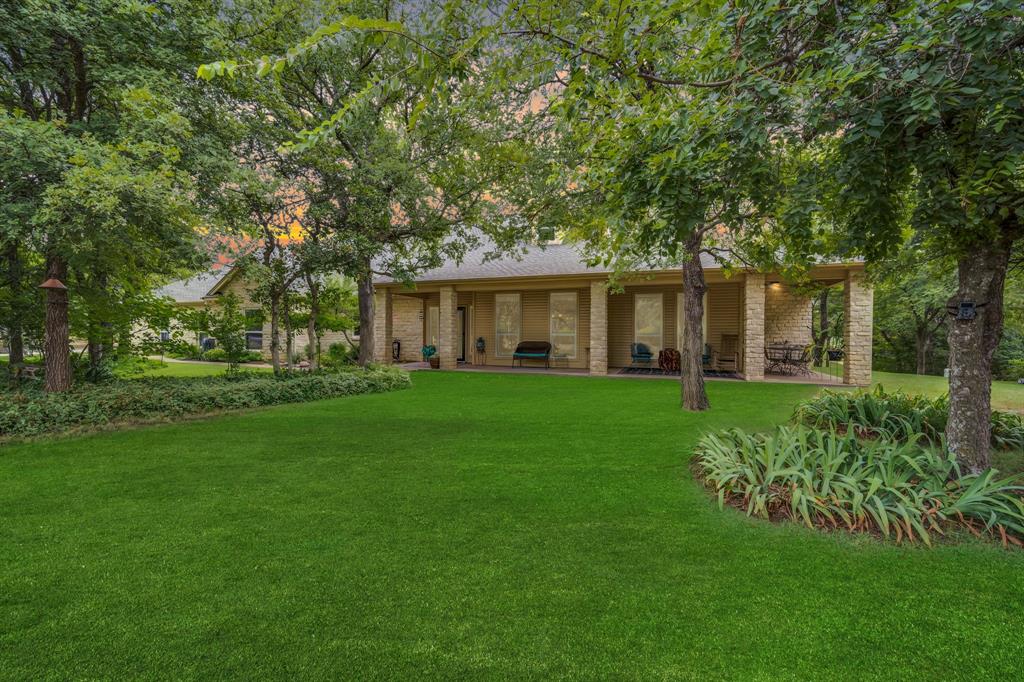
pixel 31 412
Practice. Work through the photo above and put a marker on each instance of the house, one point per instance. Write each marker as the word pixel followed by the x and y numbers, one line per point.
pixel 476 312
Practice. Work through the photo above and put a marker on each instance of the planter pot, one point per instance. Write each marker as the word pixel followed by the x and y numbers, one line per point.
pixel 435 362
pixel 834 355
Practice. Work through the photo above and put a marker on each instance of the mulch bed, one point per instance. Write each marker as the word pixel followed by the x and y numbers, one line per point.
pixel 658 372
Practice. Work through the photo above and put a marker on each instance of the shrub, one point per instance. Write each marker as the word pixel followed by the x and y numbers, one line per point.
pixel 216 355
pixel 32 412
pixel 339 354
pixel 897 416
pixel 829 480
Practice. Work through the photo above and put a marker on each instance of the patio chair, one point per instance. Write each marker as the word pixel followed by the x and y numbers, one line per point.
pixel 641 355
pixel 668 360
pixel 707 360
pixel 728 353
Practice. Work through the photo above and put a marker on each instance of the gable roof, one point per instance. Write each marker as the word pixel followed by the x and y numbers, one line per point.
pixel 195 288
pixel 536 261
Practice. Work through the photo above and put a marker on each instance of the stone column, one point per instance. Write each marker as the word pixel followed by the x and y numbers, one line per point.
pixel 382 326
pixel 858 308
pixel 598 328
pixel 447 342
pixel 753 327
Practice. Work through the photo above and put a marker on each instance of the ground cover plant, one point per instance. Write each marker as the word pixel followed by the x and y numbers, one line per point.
pixel 899 416
pixel 826 479
pixel 31 412
pixel 477 526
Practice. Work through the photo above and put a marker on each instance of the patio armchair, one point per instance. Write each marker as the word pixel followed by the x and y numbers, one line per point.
pixel 728 353
pixel 707 360
pixel 641 354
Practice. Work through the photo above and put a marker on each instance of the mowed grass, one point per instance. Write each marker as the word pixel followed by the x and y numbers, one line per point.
pixel 474 526
pixel 1006 395
pixel 195 369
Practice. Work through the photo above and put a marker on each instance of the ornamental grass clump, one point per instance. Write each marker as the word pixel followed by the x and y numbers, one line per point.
pixel 878 414
pixel 832 480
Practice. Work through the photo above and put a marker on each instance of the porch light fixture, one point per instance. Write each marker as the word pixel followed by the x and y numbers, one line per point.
pixel 53 283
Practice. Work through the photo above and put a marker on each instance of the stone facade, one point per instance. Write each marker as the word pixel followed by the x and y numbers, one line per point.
pixel 753 326
pixel 448 349
pixel 858 308
pixel 407 326
pixel 787 316
pixel 598 328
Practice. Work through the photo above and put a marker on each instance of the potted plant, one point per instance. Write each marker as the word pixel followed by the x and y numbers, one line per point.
pixel 834 348
pixel 429 353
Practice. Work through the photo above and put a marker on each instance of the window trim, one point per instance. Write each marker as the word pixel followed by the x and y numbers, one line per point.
pixel 576 323
pixel 519 323
pixel 679 321
pixel 661 302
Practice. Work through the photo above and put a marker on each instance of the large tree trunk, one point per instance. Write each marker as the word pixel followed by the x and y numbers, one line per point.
pixel 366 313
pixel 691 373
pixel 15 340
pixel 275 334
pixel 57 341
pixel 972 344
pixel 311 325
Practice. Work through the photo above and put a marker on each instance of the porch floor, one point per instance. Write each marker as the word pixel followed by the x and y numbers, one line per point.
pixel 816 378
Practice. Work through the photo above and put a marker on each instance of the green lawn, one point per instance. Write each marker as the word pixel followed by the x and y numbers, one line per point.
pixel 1006 395
pixel 476 525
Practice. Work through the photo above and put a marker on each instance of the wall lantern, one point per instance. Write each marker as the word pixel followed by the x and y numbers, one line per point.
pixel 396 349
pixel 53 283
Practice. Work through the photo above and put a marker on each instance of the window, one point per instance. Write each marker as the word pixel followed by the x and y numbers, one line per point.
pixel 679 321
pixel 433 325
pixel 648 321
pixel 254 329
pixel 508 315
pixel 564 314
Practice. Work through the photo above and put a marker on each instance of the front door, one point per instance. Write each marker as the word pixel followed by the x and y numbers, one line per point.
pixel 460 333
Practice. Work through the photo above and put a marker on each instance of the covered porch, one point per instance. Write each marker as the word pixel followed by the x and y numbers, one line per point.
pixel 591 330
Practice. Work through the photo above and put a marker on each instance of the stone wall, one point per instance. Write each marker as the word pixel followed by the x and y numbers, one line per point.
pixel 858 308
pixel 753 326
pixel 407 326
pixel 598 328
pixel 787 316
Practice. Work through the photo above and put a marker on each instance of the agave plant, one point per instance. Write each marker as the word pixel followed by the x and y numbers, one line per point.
pixel 824 478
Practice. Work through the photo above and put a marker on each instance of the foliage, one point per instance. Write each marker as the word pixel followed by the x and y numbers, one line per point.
pixel 1014 370
pixel 897 416
pixel 227 324
pixel 31 412
pixel 826 480
pixel 340 354
pixel 428 351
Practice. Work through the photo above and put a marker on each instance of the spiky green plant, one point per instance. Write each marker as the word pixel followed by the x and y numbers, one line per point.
pixel 826 479
pixel 899 416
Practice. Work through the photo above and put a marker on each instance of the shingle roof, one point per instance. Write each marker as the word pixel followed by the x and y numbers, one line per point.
pixel 537 261
pixel 194 288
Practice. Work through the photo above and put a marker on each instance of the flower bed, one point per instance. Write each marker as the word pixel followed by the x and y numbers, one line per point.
pixel 825 479
pixel 31 412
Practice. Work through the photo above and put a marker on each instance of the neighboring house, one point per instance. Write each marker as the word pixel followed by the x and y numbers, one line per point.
pixel 550 294
pixel 205 289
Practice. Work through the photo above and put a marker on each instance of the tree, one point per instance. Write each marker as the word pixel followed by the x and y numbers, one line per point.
pixel 659 174
pixel 106 205
pixel 401 147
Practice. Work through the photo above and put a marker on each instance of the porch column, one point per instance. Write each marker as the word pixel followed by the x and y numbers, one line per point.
pixel 598 328
pixel 858 309
pixel 382 326
pixel 753 326
pixel 448 346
